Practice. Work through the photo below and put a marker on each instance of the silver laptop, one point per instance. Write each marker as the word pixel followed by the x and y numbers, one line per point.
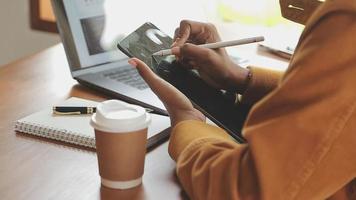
pixel 92 56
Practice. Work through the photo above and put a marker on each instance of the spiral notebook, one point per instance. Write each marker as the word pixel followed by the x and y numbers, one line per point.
pixel 76 129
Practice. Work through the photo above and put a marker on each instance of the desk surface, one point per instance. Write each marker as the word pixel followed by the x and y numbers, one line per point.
pixel 37 168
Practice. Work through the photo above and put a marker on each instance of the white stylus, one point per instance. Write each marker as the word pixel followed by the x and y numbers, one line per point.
pixel 216 45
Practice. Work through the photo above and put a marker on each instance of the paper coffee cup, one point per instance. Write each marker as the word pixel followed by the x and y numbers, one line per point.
pixel 121 136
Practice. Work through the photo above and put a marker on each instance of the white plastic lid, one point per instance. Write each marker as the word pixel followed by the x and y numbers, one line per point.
pixel 116 116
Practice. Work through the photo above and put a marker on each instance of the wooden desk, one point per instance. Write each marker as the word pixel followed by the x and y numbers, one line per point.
pixel 36 168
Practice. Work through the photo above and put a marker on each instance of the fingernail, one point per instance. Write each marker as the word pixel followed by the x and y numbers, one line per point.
pixel 175 50
pixel 132 62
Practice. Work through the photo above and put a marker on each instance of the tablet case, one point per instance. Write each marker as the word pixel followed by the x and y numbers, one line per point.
pixel 217 105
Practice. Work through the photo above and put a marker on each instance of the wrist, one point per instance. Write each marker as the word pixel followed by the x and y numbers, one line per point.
pixel 184 115
pixel 240 78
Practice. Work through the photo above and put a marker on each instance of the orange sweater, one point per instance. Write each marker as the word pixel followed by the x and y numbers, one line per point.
pixel 301 136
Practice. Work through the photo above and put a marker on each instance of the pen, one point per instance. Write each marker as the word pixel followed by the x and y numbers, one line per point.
pixel 80 110
pixel 73 110
pixel 217 45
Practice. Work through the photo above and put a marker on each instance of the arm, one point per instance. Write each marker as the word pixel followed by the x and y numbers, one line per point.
pixel 294 135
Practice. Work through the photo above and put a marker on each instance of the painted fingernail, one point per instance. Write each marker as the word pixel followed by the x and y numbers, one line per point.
pixel 132 62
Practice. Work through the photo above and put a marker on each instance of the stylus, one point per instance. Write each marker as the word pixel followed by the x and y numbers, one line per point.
pixel 217 45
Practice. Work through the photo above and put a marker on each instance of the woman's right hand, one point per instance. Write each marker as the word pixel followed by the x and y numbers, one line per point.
pixel 214 66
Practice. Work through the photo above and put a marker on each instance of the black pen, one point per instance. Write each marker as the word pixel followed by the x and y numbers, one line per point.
pixel 73 110
pixel 81 110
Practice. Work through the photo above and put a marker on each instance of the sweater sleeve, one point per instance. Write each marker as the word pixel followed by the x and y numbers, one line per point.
pixel 207 159
pixel 296 137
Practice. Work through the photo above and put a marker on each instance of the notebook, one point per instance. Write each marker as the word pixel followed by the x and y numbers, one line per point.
pixel 76 129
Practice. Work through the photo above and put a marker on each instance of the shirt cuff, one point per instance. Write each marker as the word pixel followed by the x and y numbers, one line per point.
pixel 186 132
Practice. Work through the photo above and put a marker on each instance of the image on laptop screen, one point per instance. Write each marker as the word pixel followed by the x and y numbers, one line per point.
pixel 87 21
pixel 93 28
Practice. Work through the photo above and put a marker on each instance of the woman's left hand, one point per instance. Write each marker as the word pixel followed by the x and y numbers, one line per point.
pixel 177 104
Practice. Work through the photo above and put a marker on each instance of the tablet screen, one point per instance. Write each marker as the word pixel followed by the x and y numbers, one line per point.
pixel 145 41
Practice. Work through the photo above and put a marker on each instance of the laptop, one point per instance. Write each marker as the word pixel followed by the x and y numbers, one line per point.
pixel 97 63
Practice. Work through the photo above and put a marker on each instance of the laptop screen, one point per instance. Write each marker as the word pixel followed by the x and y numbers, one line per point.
pixel 91 29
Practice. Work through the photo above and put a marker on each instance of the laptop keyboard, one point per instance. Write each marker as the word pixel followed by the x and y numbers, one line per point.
pixel 127 75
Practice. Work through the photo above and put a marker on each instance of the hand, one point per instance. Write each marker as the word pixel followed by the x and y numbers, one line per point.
pixel 214 66
pixel 177 104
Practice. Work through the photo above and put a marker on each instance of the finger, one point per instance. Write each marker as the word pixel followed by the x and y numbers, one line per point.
pixel 192 30
pixel 197 53
pixel 175 38
pixel 147 74
pixel 182 33
pixel 176 51
pixel 165 91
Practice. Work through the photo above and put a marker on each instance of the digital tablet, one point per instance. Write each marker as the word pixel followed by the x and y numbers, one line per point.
pixel 217 105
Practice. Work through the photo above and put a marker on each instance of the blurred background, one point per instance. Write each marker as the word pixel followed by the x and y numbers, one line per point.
pixel 17 38
pixel 28 26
